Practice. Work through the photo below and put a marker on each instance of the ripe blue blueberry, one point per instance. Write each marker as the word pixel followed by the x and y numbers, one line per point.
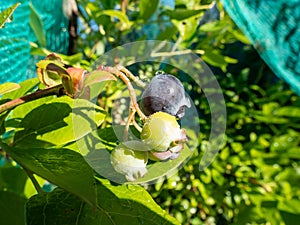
pixel 165 93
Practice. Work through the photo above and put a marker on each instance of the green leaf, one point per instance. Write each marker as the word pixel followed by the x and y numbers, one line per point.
pixel 211 26
pixel 290 206
pixel 125 23
pixel 230 60
pixel 269 119
pixel 186 27
pixel 36 25
pixel 8 87
pixel 165 169
pixel 94 148
pixel 97 77
pixel 167 33
pixel 12 179
pixel 26 87
pixel 6 15
pixel 62 167
pixel 55 121
pixel 182 14
pixel 289 218
pixel 288 111
pixel 284 142
pixel 2 122
pixel 51 72
pixel 96 82
pixel 15 179
pixel 134 202
pixel 124 204
pixel 147 8
pixel 218 177
pixel 240 36
pixel 248 214
pixel 12 208
pixel 214 58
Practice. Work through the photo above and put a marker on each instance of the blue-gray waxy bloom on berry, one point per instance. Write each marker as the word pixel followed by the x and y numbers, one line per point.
pixel 165 93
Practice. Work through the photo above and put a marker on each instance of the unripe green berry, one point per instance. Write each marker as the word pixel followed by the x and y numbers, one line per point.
pixel 160 131
pixel 128 162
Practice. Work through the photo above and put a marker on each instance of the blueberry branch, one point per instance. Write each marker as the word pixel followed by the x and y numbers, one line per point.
pixel 33 96
pixel 123 76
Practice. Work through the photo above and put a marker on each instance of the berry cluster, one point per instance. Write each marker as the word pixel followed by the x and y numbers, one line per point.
pixel 163 101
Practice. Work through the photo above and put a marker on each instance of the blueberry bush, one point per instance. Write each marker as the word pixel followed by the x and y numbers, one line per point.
pixel 67 152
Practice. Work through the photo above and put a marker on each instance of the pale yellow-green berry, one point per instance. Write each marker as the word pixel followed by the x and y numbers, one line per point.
pixel 131 163
pixel 160 131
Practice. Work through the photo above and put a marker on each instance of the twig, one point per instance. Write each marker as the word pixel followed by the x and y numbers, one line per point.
pixel 34 181
pixel 182 52
pixel 126 80
pixel 136 125
pixel 131 76
pixel 38 94
pixel 129 120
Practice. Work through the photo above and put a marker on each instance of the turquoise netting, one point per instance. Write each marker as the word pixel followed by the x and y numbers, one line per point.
pixel 274 29
pixel 16 63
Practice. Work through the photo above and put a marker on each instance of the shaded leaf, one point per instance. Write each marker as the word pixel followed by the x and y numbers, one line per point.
pixel 62 167
pixel 2 122
pixel 215 59
pixel 167 33
pixel 165 169
pixel 117 205
pixel 147 8
pixel 12 208
pixel 12 179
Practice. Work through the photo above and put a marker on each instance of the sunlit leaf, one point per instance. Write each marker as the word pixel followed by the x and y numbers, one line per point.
pixel 55 121
pixel 97 77
pixel 6 15
pixel 181 14
pixel 8 87
pixel 125 23
pixel 36 25
pixel 25 87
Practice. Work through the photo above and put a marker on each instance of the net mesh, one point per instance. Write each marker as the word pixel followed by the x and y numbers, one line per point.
pixel 16 63
pixel 273 28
